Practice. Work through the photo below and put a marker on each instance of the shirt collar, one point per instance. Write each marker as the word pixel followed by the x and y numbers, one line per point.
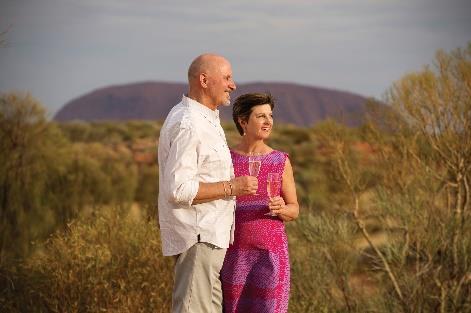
pixel 213 115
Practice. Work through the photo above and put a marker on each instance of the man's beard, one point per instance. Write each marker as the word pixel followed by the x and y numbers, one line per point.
pixel 227 102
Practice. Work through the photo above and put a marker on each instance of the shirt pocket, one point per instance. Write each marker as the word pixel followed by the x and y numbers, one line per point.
pixel 212 165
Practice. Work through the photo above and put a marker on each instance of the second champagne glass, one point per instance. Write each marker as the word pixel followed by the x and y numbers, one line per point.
pixel 273 187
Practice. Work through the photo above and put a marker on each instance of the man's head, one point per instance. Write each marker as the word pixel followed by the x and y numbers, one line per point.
pixel 210 80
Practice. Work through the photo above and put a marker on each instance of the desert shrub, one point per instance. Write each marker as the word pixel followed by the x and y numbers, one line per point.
pixel 33 164
pixel 420 202
pixel 329 273
pixel 105 262
pixel 109 133
pixel 146 193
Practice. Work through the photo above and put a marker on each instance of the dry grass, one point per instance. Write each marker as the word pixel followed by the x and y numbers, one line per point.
pixel 105 263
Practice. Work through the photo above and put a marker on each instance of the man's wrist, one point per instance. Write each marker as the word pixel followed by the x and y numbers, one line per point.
pixel 231 187
pixel 226 189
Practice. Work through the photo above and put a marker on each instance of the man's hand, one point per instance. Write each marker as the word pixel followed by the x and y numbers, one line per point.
pixel 244 185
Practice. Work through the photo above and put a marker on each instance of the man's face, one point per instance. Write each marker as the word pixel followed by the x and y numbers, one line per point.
pixel 220 83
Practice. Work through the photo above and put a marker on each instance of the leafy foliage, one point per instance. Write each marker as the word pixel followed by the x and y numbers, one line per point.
pixel 103 262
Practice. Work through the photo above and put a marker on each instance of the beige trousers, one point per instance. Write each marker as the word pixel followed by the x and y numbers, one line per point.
pixel 197 286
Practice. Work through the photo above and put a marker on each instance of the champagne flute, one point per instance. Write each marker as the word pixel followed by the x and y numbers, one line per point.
pixel 254 164
pixel 273 187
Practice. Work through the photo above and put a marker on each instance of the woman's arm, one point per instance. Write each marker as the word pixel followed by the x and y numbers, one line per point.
pixel 286 206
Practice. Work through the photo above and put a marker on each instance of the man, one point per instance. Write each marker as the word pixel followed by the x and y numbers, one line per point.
pixel 197 186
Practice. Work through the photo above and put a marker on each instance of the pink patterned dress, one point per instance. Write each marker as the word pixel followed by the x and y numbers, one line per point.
pixel 256 273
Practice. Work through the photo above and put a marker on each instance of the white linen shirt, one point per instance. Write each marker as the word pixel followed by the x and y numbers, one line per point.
pixel 192 148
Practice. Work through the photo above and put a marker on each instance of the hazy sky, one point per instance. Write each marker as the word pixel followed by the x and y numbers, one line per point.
pixel 60 49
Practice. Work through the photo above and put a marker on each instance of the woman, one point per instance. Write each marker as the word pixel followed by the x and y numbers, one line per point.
pixel 255 275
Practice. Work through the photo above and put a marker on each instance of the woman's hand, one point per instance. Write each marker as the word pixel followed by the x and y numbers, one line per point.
pixel 277 205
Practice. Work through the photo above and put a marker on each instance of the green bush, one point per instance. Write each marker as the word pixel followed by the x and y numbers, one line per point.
pixel 105 262
pixel 33 164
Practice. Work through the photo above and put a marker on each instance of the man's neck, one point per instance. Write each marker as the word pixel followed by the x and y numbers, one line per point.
pixel 202 99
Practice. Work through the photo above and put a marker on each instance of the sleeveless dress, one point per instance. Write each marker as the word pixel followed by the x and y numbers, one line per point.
pixel 256 274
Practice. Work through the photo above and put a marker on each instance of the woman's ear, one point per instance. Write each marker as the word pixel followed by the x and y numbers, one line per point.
pixel 243 124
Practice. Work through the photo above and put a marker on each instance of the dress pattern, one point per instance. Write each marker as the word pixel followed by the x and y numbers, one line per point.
pixel 256 274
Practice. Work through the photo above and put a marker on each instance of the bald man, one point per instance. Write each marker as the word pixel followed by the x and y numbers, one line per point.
pixel 197 187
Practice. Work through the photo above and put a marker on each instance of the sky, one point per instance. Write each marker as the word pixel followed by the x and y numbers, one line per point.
pixel 61 49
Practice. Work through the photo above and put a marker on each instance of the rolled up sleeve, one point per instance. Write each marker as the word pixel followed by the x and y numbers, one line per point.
pixel 182 166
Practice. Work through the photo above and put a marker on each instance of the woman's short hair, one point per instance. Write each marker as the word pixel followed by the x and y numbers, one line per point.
pixel 243 106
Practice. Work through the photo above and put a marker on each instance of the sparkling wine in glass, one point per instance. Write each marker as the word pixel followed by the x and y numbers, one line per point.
pixel 273 187
pixel 254 164
pixel 254 167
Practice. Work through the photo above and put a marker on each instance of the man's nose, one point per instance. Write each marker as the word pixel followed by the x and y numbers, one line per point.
pixel 232 85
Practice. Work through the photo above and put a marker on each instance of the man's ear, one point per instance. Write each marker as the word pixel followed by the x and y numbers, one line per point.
pixel 204 80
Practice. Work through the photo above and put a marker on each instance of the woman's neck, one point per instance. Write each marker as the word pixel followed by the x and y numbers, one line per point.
pixel 248 146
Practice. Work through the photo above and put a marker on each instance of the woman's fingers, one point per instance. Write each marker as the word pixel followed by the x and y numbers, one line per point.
pixel 276 205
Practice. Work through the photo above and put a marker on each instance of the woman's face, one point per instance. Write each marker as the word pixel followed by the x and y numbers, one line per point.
pixel 260 122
